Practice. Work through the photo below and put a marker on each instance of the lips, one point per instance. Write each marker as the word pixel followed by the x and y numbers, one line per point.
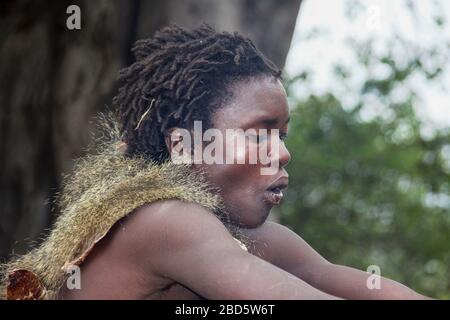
pixel 273 197
pixel 274 193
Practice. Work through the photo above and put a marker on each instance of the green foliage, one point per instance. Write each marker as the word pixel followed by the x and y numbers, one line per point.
pixel 373 191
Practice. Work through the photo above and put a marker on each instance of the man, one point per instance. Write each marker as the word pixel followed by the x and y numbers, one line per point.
pixel 137 225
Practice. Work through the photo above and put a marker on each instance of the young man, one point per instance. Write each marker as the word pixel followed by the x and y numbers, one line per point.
pixel 136 225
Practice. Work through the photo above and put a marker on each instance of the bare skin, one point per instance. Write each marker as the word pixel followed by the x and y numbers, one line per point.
pixel 174 250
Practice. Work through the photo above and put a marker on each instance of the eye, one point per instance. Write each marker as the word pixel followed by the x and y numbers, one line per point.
pixel 283 136
pixel 261 138
pixel 258 138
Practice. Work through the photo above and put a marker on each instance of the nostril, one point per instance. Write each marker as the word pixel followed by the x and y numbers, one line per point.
pixel 285 157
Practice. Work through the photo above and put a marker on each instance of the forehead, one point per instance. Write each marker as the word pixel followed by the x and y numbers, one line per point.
pixel 254 101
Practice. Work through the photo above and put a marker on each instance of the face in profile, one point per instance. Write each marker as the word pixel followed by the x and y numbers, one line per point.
pixel 248 194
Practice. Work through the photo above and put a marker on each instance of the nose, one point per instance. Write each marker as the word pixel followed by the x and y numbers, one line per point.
pixel 285 156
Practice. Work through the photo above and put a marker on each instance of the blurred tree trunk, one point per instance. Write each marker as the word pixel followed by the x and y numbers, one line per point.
pixel 53 81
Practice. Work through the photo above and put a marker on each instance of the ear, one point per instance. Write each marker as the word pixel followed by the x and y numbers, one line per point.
pixel 178 143
pixel 122 146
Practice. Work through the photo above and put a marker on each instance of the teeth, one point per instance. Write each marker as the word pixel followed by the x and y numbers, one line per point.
pixel 275 196
pixel 276 190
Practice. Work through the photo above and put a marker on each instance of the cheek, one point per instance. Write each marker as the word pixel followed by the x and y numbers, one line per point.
pixel 235 150
pixel 244 152
pixel 235 180
pixel 241 154
pixel 239 177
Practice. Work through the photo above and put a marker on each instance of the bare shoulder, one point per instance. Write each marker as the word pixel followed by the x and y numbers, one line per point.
pixel 271 234
pixel 268 229
pixel 156 219
pixel 169 225
pixel 281 246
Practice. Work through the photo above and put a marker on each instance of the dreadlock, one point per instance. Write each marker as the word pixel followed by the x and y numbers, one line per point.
pixel 180 76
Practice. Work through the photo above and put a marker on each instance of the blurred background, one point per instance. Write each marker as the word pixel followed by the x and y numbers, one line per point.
pixel 368 86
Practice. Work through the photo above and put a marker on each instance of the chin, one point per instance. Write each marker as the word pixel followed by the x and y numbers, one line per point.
pixel 254 218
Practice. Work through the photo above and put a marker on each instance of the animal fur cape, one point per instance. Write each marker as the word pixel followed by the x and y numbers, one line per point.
pixel 104 187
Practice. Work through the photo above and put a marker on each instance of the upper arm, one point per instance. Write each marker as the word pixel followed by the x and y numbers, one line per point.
pixel 284 248
pixel 196 250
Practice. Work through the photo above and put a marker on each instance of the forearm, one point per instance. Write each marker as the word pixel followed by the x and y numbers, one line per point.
pixel 256 279
pixel 350 283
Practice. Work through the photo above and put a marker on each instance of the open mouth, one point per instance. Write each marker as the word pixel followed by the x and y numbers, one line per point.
pixel 276 190
pixel 274 196
pixel 274 193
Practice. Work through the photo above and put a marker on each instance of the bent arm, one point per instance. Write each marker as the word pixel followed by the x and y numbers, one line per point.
pixel 200 253
pixel 290 252
pixel 351 283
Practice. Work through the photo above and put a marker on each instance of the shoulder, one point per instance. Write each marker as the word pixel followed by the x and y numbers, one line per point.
pixel 270 228
pixel 163 227
pixel 281 246
pixel 173 215
pixel 271 233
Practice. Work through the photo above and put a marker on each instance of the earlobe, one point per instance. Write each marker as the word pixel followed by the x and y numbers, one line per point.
pixel 122 146
pixel 178 142
pixel 173 139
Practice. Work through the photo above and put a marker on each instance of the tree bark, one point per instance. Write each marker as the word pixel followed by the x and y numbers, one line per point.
pixel 53 81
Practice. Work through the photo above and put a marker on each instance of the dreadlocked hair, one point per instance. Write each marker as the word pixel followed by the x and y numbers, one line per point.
pixel 180 76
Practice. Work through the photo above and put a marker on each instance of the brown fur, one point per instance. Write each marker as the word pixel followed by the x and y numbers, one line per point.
pixel 104 187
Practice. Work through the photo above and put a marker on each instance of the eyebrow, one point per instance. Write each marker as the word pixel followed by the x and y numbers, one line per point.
pixel 288 119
